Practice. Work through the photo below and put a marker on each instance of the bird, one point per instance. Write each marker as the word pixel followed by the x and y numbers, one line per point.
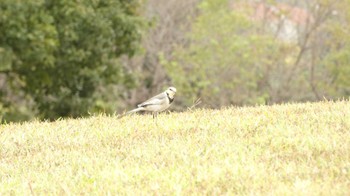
pixel 157 103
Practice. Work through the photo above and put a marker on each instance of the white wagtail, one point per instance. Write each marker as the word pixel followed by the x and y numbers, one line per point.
pixel 157 103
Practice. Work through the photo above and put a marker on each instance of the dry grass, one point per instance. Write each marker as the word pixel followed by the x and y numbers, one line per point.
pixel 292 149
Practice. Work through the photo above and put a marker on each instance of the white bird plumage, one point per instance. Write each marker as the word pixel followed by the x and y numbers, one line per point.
pixel 157 103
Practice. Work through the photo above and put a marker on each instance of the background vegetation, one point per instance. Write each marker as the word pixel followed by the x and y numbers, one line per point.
pixel 58 57
pixel 71 58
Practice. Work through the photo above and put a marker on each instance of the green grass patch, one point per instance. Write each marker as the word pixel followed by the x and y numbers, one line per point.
pixel 290 149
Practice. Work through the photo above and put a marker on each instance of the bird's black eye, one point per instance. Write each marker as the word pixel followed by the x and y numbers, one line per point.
pixel 171 89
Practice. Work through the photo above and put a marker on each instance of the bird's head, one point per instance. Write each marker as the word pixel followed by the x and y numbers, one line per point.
pixel 171 91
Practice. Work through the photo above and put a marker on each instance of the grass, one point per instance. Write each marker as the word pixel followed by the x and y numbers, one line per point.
pixel 290 149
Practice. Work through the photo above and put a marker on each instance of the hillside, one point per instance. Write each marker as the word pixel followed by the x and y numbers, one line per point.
pixel 290 149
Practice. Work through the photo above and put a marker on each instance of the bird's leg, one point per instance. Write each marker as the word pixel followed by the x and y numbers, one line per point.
pixel 156 115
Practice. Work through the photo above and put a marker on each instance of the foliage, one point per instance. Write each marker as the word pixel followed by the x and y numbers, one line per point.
pixel 62 58
pixel 225 58
pixel 60 52
pixel 169 22
pixel 337 59
pixel 234 57
pixel 289 149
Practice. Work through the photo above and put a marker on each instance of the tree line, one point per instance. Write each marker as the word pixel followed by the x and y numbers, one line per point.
pixel 67 58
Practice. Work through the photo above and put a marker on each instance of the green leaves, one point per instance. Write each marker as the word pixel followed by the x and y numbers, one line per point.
pixel 221 63
pixel 61 50
pixel 242 52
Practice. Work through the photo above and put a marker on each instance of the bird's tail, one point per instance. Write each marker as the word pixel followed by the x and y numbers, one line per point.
pixel 130 112
pixel 135 110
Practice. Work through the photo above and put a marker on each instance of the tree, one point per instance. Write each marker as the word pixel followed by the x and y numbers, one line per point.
pixel 60 52
pixel 332 51
pixel 248 52
pixel 170 21
pixel 223 61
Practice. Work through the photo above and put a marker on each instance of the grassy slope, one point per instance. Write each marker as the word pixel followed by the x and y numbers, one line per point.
pixel 283 149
